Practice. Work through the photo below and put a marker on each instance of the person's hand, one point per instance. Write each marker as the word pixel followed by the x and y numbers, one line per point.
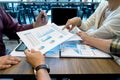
pixel 71 23
pixel 7 61
pixel 85 37
pixel 42 19
pixel 35 58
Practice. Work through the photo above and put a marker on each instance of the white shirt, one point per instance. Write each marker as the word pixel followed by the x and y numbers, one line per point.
pixel 110 27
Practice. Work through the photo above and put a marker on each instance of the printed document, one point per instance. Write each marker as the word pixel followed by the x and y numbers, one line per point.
pixel 19 51
pixel 44 38
pixel 78 49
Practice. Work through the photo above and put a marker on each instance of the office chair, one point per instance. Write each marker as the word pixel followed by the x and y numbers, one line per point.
pixel 60 16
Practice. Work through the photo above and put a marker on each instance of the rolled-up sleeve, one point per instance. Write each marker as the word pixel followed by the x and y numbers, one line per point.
pixel 115 47
pixel 11 26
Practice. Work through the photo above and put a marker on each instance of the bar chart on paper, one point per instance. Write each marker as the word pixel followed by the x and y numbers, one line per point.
pixel 77 49
pixel 44 38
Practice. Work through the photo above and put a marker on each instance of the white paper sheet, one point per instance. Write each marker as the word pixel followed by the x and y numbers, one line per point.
pixel 52 53
pixel 73 31
pixel 44 38
pixel 77 49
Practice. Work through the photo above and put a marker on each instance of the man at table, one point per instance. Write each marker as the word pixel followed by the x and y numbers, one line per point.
pixel 111 46
pixel 107 45
pixel 35 58
pixel 10 26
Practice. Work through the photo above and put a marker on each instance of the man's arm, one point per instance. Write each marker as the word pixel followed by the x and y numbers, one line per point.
pixel 42 74
pixel 35 58
pixel 107 45
pixel 11 26
pixel 115 47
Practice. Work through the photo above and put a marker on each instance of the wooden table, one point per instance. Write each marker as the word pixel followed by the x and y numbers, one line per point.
pixel 67 67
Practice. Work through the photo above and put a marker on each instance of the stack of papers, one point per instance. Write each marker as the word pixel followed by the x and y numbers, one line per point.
pixel 78 49
pixel 55 42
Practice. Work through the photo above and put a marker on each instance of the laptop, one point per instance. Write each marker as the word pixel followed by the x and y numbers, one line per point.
pixel 60 15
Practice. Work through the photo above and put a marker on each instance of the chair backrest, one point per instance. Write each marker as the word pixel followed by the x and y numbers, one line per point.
pixel 60 15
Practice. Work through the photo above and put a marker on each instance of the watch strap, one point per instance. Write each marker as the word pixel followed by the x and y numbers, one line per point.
pixel 43 66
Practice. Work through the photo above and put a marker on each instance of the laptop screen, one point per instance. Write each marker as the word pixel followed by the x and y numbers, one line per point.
pixel 61 15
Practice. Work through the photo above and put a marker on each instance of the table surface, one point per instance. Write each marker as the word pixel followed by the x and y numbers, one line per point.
pixel 62 66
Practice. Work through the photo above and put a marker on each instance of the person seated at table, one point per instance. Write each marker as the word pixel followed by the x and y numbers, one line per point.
pixel 107 45
pixel 37 59
pixel 7 61
pixel 10 26
pixel 106 20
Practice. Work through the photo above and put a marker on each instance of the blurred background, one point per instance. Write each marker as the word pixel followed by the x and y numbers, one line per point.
pixel 26 11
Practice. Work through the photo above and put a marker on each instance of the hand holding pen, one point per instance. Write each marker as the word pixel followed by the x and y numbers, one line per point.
pixel 42 19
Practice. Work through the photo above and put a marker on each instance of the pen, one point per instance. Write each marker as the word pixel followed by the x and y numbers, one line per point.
pixel 43 17
pixel 60 49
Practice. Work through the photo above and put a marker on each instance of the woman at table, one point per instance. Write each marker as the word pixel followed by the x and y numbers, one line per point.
pixel 106 20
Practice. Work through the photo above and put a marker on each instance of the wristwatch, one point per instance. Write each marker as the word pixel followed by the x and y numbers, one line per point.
pixel 43 66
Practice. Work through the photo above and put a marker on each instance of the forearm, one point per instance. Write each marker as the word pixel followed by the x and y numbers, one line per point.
pixel 101 44
pixel 10 26
pixel 42 74
pixel 37 60
pixel 21 27
pixel 89 23
pixel 10 23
